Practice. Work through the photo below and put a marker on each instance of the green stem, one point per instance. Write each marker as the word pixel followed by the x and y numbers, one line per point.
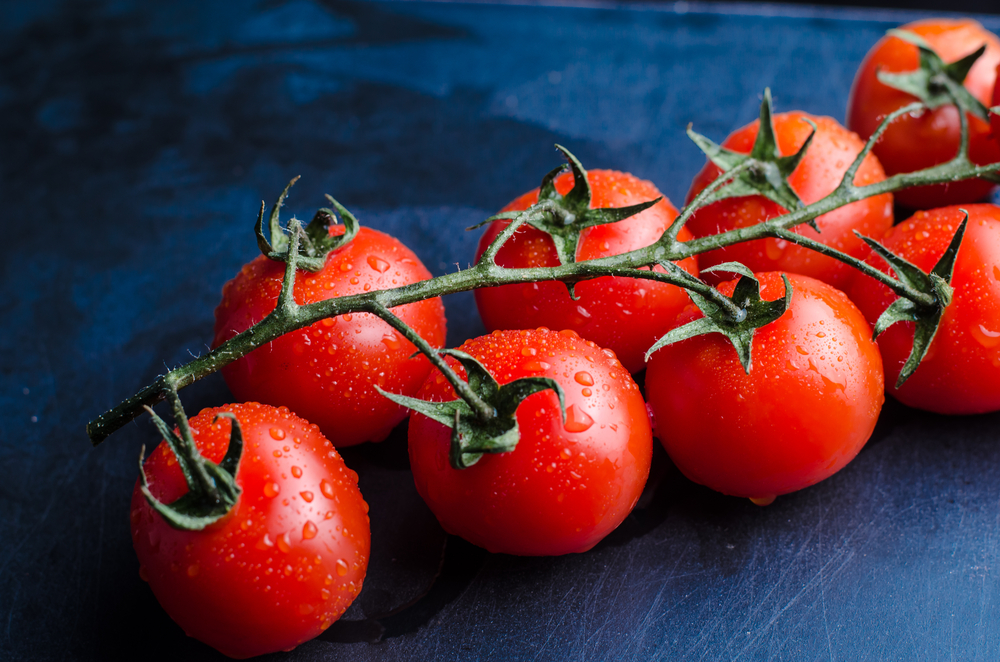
pixel 289 316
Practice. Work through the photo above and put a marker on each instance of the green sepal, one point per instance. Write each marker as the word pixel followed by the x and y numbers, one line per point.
pixel 934 82
pixel 471 436
pixel 768 171
pixel 315 242
pixel 564 217
pixel 926 318
pixel 753 313
pixel 197 509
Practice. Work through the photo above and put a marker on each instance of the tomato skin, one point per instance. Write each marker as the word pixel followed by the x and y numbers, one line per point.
pixel 623 314
pixel 807 407
pixel 994 118
pixel 284 564
pixel 831 152
pixel 562 489
pixel 960 373
pixel 326 372
pixel 913 143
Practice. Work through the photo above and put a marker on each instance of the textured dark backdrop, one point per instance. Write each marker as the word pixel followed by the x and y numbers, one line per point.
pixel 136 143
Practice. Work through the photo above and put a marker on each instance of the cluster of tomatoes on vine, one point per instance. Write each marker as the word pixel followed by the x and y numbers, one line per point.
pixel 250 529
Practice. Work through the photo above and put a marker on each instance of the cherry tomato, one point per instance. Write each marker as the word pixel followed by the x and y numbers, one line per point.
pixel 284 564
pixel 807 407
pixel 623 314
pixel 831 152
pixel 327 372
pixel 565 486
pixel 960 374
pixel 995 118
pixel 917 142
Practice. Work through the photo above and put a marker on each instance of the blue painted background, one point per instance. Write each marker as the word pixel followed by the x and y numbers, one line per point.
pixel 136 143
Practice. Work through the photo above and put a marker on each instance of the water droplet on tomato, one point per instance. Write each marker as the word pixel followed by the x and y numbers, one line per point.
pixel 341 567
pixel 774 248
pixel 528 351
pixel 271 489
pixel 391 340
pixel 536 366
pixel 309 530
pixel 577 420
pixel 304 610
pixel 378 264
pixel 565 453
pixel 324 593
pixel 284 542
pixel 348 317
pixel 763 500
pixel 584 378
pixel 346 266
pixel 306 495
pixel 297 471
pixel 327 489
pixel 586 392
pixel 277 433
pixel 984 336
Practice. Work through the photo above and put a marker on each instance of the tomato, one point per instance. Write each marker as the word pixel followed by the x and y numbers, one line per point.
pixel 806 408
pixel 284 564
pixel 995 118
pixel 913 143
pixel 327 372
pixel 960 374
pixel 565 486
pixel 623 314
pixel 831 152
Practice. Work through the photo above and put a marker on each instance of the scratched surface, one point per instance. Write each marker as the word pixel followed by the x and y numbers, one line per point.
pixel 137 140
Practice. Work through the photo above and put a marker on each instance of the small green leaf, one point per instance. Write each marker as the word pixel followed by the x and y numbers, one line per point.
pixel 753 313
pixel 935 83
pixel 471 436
pixel 926 317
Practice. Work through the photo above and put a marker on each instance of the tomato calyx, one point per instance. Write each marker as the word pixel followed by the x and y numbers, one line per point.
pixel 473 435
pixel 315 240
pixel 564 217
pixel 761 172
pixel 737 322
pixel 212 489
pixel 925 315
pixel 934 82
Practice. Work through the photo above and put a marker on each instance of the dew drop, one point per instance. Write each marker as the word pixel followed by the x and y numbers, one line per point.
pixel 306 495
pixel 341 567
pixel 306 609
pixel 586 392
pixel 277 433
pixel 984 336
pixel 271 489
pixel 584 378
pixel 391 340
pixel 996 272
pixel 297 471
pixel 565 453
pixel 284 542
pixel 327 489
pixel 378 264
pixel 346 266
pixel 324 593
pixel 309 530
pixel 763 500
pixel 537 366
pixel 577 420
pixel 528 351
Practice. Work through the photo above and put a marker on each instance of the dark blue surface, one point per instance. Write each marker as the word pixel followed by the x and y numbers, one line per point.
pixel 136 143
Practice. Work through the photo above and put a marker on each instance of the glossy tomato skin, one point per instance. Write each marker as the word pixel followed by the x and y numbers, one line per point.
pixel 623 314
pixel 564 487
pixel 960 373
pixel 327 372
pixel 284 564
pixel 807 407
pixel 994 118
pixel 912 143
pixel 831 152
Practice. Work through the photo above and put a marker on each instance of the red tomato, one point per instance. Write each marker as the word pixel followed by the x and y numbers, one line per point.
pixel 960 373
pixel 564 487
pixel 995 118
pixel 623 314
pixel 807 407
pixel 832 151
pixel 913 143
pixel 327 372
pixel 284 564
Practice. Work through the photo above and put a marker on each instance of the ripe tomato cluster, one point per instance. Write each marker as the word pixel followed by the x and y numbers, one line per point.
pixel 290 556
